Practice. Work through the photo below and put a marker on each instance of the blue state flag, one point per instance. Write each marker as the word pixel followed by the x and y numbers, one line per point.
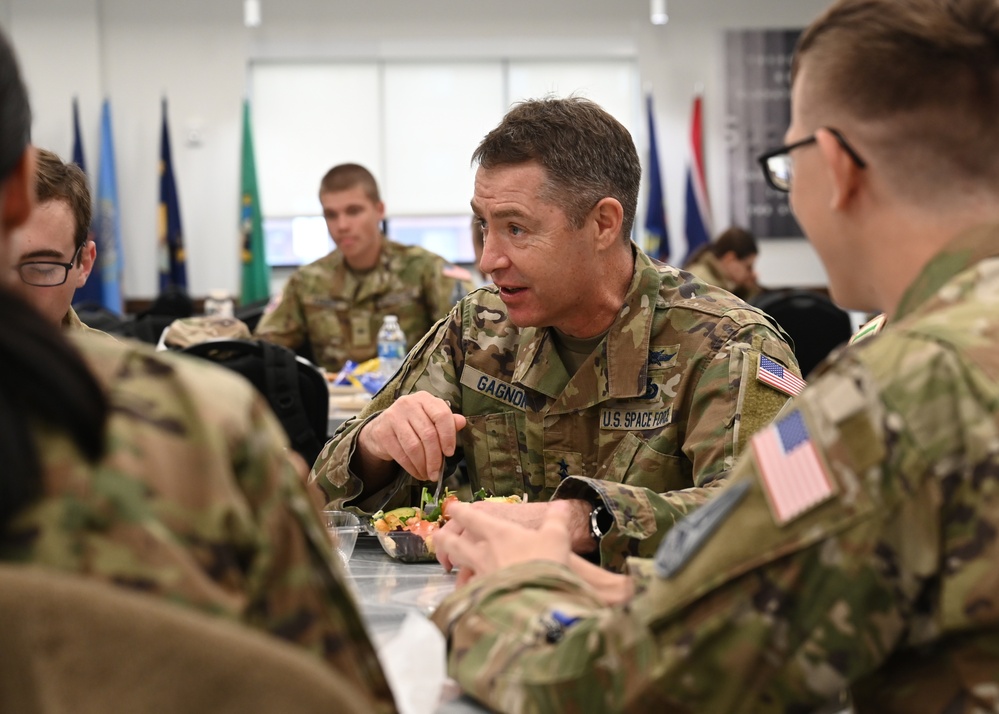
pixel 172 258
pixel 107 222
pixel 92 291
pixel 656 232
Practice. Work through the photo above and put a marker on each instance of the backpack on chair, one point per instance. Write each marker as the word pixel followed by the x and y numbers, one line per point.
pixel 295 388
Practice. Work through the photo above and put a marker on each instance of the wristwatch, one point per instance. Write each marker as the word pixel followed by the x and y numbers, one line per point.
pixel 601 521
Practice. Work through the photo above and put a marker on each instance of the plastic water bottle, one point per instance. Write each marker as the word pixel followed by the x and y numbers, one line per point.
pixel 391 347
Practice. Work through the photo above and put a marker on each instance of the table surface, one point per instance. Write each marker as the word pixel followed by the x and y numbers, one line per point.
pixel 387 590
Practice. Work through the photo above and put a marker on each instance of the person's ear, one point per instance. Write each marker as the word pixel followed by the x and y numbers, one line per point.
pixel 87 257
pixel 607 217
pixel 380 211
pixel 844 174
pixel 19 191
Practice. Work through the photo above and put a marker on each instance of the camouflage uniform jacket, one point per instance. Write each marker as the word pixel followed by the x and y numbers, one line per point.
pixel 195 501
pixel 340 312
pixel 663 404
pixel 708 269
pixel 73 322
pixel 884 579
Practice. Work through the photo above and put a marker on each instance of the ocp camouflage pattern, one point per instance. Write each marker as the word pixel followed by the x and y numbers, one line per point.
pixel 339 312
pixel 196 502
pixel 661 407
pixel 889 590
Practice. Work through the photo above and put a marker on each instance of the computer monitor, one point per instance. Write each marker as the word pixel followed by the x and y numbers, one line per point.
pixel 448 236
pixel 298 240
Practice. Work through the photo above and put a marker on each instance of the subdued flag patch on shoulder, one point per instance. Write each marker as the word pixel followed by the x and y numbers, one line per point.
pixel 778 377
pixel 690 533
pixel 794 478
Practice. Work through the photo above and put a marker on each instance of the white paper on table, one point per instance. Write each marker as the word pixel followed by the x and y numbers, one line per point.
pixel 415 665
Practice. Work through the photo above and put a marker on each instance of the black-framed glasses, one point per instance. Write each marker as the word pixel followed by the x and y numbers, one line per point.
pixel 778 168
pixel 47 273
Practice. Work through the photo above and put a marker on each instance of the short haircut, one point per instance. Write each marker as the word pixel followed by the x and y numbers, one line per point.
pixel 59 181
pixel 923 73
pixel 347 176
pixel 587 154
pixel 736 240
pixel 15 112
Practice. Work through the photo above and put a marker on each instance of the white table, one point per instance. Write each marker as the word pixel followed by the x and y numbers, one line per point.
pixel 387 590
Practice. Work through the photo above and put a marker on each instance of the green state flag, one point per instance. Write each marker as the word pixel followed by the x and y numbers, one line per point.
pixel 256 274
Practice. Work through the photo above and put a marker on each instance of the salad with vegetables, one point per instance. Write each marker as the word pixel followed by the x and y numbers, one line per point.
pixel 407 533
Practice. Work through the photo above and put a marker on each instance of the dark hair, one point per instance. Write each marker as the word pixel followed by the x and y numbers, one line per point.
pixel 15 113
pixel 586 153
pixel 43 382
pixel 59 181
pixel 735 240
pixel 925 71
pixel 347 176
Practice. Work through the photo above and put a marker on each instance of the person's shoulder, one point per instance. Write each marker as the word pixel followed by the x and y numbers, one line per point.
pixel 134 366
pixel 681 290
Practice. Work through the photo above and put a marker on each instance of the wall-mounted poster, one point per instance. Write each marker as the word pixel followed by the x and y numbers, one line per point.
pixel 758 110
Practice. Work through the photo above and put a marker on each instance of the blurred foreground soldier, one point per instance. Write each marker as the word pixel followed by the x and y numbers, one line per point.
pixel 729 261
pixel 586 371
pixel 336 305
pixel 52 251
pixel 164 476
pixel 856 545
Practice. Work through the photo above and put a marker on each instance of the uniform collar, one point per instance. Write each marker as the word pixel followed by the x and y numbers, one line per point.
pixel 72 321
pixel 618 368
pixel 967 249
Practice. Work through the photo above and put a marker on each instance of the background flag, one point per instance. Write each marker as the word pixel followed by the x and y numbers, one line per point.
pixel 92 291
pixel 172 260
pixel 656 232
pixel 256 274
pixel 77 140
pixel 107 222
pixel 698 218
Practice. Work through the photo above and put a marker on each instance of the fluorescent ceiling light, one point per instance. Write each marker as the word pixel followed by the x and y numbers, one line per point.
pixel 657 12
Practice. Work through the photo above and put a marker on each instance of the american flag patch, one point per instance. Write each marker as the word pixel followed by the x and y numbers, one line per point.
pixel 774 374
pixel 793 476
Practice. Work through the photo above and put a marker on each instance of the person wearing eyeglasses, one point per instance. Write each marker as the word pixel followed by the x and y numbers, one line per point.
pixel 855 546
pixel 52 251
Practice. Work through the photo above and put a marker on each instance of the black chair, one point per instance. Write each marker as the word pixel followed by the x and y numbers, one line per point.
pixel 815 324
pixel 294 387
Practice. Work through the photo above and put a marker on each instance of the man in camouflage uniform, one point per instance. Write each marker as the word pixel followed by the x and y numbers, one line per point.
pixel 196 501
pixel 856 544
pixel 52 250
pixel 336 305
pixel 587 371
pixel 156 473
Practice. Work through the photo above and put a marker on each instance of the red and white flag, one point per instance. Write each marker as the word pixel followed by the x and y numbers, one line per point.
pixel 791 470
pixel 774 374
pixel 697 221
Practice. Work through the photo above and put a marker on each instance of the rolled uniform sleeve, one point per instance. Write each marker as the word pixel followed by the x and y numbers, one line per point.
pixel 739 612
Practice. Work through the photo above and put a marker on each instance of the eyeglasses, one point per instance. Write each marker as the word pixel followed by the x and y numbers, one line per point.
pixel 46 273
pixel 777 166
